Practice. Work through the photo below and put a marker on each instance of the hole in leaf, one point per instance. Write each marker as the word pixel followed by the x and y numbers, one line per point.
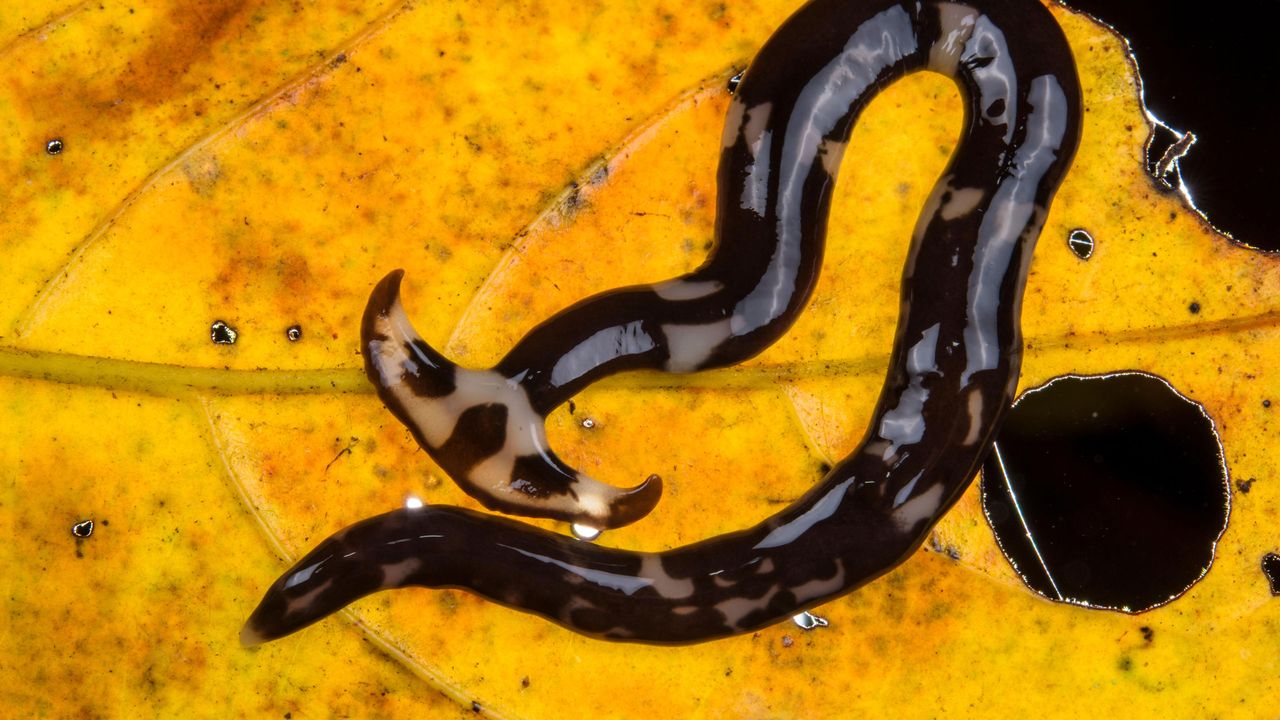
pixel 222 334
pixel 1081 243
pixel 1108 491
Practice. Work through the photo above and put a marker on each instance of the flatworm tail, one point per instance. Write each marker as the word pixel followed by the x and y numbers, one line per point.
pixel 952 374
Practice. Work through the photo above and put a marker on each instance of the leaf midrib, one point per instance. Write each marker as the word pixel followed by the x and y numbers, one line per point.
pixel 172 380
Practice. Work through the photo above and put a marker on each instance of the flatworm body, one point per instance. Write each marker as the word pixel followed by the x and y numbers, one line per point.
pixel 952 372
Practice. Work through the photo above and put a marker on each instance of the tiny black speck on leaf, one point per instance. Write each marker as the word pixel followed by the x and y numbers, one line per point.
pixel 1194 308
pixel 475 706
pixel 1266 403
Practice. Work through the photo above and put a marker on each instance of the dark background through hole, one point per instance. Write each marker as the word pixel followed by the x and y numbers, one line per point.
pixel 1212 71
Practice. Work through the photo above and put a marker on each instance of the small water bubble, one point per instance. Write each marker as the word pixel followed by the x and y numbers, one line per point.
pixel 808 621
pixel 54 146
pixel 734 82
pixel 414 503
pixel 82 529
pixel 585 532
pixel 1081 243
pixel 588 423
pixel 294 333
pixel 222 333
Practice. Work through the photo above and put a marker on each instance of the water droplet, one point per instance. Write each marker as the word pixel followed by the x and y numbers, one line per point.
pixel 734 82
pixel 54 146
pixel 1107 492
pixel 82 529
pixel 585 532
pixel 588 423
pixel 808 621
pixel 222 333
pixel 787 641
pixel 413 502
pixel 294 333
pixel 1081 243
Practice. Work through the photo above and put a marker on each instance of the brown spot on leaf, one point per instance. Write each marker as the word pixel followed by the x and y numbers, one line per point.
pixel 186 36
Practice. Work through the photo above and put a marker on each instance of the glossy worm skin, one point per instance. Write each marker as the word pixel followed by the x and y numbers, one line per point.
pixel 952 373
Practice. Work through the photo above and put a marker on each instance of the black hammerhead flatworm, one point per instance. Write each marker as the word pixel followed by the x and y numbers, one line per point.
pixel 952 372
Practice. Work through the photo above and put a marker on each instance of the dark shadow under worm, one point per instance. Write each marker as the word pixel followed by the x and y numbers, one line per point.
pixel 952 373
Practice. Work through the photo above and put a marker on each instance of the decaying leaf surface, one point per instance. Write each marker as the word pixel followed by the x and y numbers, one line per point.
pixel 263 163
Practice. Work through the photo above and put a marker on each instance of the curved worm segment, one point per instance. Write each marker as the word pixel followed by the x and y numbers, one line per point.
pixel 481 428
pixel 587 588
pixel 952 372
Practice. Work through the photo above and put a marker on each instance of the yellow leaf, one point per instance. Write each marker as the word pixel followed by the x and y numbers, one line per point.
pixel 262 163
